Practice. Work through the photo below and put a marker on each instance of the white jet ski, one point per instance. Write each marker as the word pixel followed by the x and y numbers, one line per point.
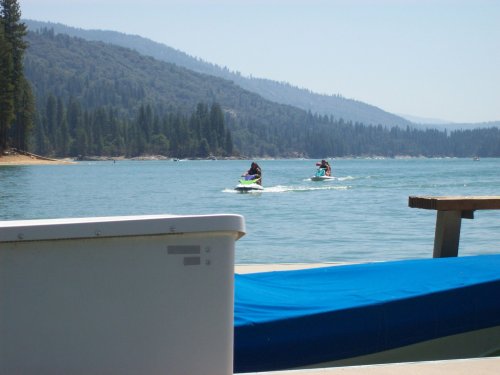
pixel 320 175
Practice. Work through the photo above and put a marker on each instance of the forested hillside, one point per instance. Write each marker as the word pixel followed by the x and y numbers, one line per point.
pixel 101 99
pixel 100 76
pixel 279 92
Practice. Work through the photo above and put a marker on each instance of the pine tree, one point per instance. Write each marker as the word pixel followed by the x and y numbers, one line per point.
pixel 51 121
pixel 217 133
pixel 228 145
pixel 24 116
pixel 20 118
pixel 6 88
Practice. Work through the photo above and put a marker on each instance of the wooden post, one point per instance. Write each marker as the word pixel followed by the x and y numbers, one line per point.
pixel 450 211
pixel 447 234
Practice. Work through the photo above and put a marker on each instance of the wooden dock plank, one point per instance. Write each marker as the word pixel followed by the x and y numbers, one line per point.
pixel 455 203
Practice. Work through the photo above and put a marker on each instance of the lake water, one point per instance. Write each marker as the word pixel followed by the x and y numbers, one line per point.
pixel 362 215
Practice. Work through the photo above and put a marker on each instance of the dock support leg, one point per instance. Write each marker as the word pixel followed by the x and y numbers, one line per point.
pixel 447 234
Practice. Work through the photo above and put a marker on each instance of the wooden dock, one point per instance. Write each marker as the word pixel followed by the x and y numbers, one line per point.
pixel 450 212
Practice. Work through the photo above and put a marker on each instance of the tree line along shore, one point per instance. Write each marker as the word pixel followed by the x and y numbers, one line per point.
pixel 58 100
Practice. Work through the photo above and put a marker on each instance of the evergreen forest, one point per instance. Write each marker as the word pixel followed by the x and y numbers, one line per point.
pixel 88 98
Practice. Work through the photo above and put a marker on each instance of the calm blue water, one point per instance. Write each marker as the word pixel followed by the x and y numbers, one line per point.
pixel 362 215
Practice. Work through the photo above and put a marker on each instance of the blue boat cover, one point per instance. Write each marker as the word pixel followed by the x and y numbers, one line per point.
pixel 297 318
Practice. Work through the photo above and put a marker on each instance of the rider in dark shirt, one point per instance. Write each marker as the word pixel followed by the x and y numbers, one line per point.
pixel 256 171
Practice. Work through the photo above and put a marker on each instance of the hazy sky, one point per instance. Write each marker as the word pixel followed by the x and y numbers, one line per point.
pixel 433 59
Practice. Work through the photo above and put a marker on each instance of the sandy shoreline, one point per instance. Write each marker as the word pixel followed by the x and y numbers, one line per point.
pixel 17 159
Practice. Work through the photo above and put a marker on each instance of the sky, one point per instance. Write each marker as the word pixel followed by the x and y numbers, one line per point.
pixel 433 59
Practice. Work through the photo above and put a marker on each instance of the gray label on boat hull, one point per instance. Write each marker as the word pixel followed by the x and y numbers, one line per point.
pixel 192 261
pixel 186 250
pixel 183 249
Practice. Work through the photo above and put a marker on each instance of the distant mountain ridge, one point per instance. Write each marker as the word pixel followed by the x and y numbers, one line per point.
pixel 448 125
pixel 279 92
pixel 424 120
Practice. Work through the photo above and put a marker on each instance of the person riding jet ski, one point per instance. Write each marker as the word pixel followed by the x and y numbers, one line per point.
pixel 255 171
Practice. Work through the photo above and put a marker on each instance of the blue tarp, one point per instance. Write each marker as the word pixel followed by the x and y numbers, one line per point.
pixel 297 318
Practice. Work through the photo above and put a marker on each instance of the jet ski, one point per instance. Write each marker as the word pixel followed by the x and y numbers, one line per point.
pixel 320 175
pixel 249 183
